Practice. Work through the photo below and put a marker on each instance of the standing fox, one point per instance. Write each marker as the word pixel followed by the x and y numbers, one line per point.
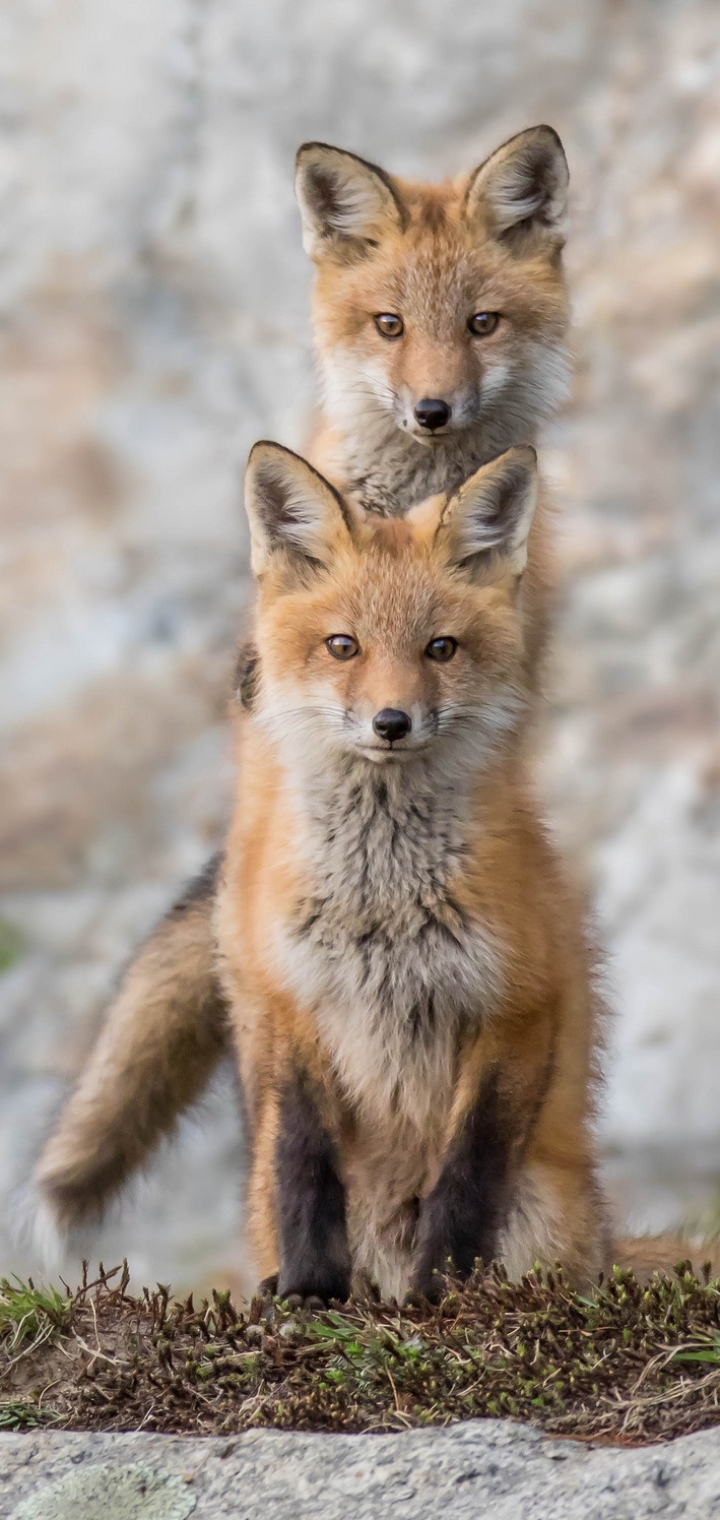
pixel 405 968
pixel 441 318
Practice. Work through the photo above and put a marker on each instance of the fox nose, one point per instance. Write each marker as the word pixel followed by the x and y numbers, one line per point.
pixel 391 724
pixel 432 413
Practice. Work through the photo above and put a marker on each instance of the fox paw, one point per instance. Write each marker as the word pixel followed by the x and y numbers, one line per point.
pixel 311 1292
pixel 428 1288
pixel 268 1287
pixel 312 1303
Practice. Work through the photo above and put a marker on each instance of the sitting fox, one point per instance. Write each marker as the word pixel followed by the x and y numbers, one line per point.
pixel 440 317
pixel 409 986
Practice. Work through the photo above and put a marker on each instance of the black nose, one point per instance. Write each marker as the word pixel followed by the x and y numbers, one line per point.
pixel 391 724
pixel 432 414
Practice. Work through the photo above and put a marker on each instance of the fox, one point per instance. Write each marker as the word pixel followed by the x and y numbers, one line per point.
pixel 409 981
pixel 441 324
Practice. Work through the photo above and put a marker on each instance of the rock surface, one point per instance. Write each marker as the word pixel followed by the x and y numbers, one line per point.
pixel 153 297
pixel 482 1468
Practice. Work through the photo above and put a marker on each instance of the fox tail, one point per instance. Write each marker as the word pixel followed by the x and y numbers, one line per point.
pixel 163 1036
pixel 646 1254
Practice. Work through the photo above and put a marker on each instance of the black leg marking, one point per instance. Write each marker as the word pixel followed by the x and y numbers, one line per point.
pixel 460 1218
pixel 314 1253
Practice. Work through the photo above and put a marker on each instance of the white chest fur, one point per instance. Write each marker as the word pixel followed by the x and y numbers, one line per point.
pixel 379 947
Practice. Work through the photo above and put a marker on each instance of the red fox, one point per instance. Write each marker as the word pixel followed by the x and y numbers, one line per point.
pixel 441 321
pixel 408 981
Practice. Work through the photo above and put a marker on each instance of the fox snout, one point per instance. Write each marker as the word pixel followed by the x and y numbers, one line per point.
pixel 390 733
pixel 432 413
pixel 392 724
pixel 434 410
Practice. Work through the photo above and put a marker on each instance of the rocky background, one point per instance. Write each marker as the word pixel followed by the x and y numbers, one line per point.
pixel 153 300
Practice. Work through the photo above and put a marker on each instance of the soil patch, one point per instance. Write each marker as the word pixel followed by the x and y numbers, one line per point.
pixel 634 1363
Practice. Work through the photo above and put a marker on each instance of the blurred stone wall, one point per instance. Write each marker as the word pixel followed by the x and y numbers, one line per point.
pixel 153 310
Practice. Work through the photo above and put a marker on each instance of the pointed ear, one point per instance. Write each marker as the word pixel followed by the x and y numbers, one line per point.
pixel 491 514
pixel 346 204
pixel 522 186
pixel 296 517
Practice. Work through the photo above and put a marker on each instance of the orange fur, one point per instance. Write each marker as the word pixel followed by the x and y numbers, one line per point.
pixel 485 240
pixel 435 255
pixel 392 1115
pixel 646 1254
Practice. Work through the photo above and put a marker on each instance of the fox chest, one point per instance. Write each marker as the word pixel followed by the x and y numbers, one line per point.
pixel 392 966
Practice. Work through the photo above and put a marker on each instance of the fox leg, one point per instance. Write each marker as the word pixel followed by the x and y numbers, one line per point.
pixel 518 1182
pixel 163 1037
pixel 461 1218
pixel 310 1198
pixel 505 1077
pixel 549 1210
pixel 557 1215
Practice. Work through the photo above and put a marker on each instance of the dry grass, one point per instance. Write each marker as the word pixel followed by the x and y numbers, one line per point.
pixel 634 1363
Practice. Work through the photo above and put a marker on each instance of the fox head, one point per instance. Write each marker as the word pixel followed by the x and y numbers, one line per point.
pixel 440 310
pixel 382 640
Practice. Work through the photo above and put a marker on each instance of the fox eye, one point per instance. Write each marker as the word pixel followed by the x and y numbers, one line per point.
pixel 441 649
pixel 483 323
pixel 389 325
pixel 342 646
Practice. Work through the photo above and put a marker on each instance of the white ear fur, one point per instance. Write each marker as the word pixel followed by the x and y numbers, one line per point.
pixel 342 198
pixel 524 182
pixel 291 508
pixel 493 510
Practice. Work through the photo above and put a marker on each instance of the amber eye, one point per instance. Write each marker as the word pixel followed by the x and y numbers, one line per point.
pixel 483 323
pixel 389 325
pixel 441 649
pixel 342 646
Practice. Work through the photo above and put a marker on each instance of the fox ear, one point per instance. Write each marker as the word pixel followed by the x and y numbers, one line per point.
pixel 346 204
pixel 492 512
pixel 294 513
pixel 522 186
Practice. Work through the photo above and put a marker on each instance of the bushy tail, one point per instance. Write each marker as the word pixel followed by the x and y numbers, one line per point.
pixel 646 1254
pixel 163 1037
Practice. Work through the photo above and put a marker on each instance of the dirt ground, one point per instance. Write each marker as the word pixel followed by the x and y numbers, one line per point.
pixel 631 1365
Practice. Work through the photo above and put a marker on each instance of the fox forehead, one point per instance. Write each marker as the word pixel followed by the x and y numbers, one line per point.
pixel 390 588
pixel 437 268
pixel 394 595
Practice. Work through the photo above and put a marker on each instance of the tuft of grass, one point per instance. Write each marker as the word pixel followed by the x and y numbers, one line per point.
pixel 11 945
pixel 17 1414
pixel 31 1319
pixel 634 1363
pixel 705 1348
pixel 28 1313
